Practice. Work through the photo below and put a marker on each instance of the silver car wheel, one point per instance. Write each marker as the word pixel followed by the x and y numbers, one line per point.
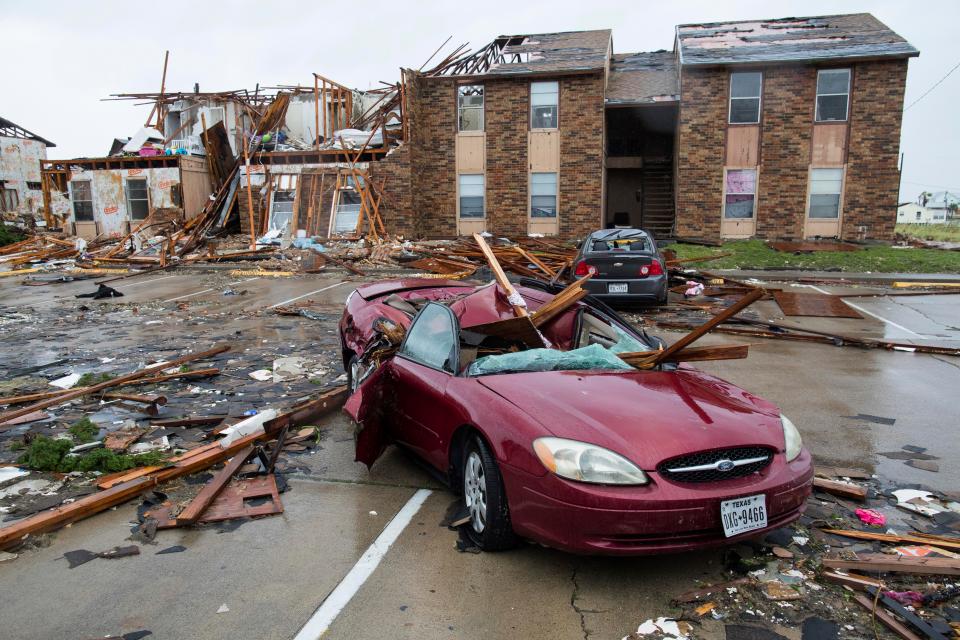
pixel 475 492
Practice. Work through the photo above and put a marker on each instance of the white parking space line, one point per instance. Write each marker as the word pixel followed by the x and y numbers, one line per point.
pixel 334 603
pixel 137 284
pixel 870 313
pixel 280 304
pixel 196 293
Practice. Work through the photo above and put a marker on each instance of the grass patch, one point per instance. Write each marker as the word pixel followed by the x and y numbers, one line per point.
pixel 755 254
pixel 949 232
pixel 84 430
pixel 49 454
pixel 89 379
pixel 9 235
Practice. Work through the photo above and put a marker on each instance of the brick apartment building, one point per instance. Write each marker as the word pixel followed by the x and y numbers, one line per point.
pixel 783 128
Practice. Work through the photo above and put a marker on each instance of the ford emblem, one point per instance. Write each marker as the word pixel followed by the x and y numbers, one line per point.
pixel 725 465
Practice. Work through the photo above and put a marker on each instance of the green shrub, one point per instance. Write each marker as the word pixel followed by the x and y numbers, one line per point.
pixel 84 430
pixel 49 454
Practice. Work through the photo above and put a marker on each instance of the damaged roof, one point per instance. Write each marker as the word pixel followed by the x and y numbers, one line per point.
pixel 13 130
pixel 552 52
pixel 643 78
pixel 857 35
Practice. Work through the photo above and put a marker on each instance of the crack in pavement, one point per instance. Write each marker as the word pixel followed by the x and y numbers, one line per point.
pixel 573 603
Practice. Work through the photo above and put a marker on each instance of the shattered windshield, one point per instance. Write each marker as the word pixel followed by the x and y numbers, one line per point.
pixel 619 240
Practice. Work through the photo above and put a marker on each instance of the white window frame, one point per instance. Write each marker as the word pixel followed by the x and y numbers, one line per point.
pixel 758 97
pixel 481 108
pixel 756 188
pixel 846 114
pixel 483 196
pixel 74 201
pixel 556 197
pixel 126 190
pixel 810 194
pixel 555 104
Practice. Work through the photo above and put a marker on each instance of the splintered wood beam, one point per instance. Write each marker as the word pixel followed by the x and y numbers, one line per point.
pixel 873 562
pixel 212 489
pixel 640 359
pixel 709 325
pixel 516 302
pixel 561 302
pixel 842 489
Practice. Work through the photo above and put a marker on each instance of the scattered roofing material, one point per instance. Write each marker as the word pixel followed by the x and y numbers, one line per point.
pixel 643 78
pixel 13 130
pixel 814 304
pixel 853 36
pixel 568 51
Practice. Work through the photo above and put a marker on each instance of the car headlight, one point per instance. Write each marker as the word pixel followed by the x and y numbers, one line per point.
pixel 586 462
pixel 791 438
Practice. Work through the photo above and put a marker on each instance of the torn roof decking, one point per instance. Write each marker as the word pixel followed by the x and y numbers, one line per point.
pixel 548 53
pixel 13 130
pixel 643 78
pixel 819 38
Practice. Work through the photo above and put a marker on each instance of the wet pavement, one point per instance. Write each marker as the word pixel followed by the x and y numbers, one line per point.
pixel 274 572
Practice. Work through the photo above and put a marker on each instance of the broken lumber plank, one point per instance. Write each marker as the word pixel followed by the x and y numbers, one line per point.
pixel 189 421
pixel 852 580
pixel 906 614
pixel 116 382
pixel 132 397
pixel 65 514
pixel 886 618
pixel 738 306
pixel 212 489
pixel 888 537
pixel 842 489
pixel 897 564
pixel 691 354
pixel 514 298
pixel 561 302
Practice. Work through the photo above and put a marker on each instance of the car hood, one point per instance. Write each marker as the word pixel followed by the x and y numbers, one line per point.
pixel 647 416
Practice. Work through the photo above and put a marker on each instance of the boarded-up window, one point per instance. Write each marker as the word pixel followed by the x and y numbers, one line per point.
pixel 471 196
pixel 833 94
pixel 741 193
pixel 543 104
pixel 82 197
pixel 138 203
pixel 543 195
pixel 745 88
pixel 470 107
pixel 826 185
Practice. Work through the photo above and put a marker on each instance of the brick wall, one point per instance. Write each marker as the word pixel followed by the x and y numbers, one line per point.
pixel 581 155
pixel 396 204
pixel 785 136
pixel 506 105
pixel 700 152
pixel 432 113
pixel 876 107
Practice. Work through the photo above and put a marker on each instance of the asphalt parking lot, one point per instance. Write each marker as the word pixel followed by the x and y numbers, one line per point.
pixel 267 578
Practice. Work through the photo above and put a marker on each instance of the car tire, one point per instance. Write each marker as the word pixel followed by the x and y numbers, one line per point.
pixel 485 499
pixel 662 298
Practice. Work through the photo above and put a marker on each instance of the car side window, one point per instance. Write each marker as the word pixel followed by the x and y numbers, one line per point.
pixel 432 340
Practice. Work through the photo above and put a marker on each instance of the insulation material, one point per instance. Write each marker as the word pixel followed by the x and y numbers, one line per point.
pixel 589 358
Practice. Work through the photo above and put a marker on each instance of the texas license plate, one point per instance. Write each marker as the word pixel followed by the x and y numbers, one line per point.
pixel 743 514
pixel 618 287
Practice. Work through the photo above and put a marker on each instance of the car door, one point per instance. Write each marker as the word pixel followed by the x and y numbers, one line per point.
pixel 420 373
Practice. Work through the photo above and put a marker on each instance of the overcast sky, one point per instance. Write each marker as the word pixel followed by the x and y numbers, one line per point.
pixel 61 58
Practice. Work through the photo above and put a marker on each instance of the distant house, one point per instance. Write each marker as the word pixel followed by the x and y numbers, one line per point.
pixel 20 154
pixel 913 213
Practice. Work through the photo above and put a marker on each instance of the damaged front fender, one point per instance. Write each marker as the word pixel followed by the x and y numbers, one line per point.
pixel 365 407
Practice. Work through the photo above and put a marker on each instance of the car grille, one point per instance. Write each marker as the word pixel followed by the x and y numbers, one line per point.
pixel 690 468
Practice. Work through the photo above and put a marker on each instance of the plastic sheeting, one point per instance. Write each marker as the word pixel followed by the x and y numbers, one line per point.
pixel 585 358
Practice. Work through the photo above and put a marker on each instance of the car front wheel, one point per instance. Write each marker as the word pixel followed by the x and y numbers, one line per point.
pixel 485 499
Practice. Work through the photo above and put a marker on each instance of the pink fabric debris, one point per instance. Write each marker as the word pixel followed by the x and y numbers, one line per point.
pixel 696 289
pixel 871 517
pixel 911 598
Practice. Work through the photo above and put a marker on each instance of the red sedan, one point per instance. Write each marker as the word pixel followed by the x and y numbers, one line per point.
pixel 566 445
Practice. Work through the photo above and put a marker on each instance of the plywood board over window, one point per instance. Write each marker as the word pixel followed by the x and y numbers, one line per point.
pixel 544 150
pixel 829 144
pixel 742 146
pixel 471 152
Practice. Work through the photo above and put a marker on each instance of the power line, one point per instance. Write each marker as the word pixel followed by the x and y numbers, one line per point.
pixel 955 67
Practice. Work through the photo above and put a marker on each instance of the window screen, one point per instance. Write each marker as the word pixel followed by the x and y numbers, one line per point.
pixel 833 94
pixel 137 201
pixel 825 188
pixel 432 339
pixel 745 90
pixel 470 107
pixel 741 194
pixel 543 195
pixel 471 196
pixel 82 197
pixel 543 105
